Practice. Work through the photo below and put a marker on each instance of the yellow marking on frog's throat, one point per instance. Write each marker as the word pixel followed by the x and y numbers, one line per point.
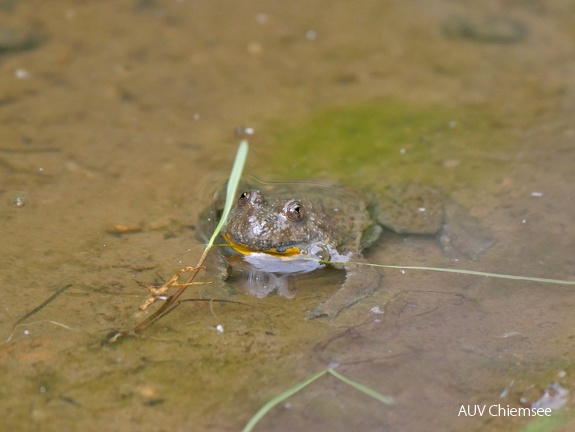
pixel 247 251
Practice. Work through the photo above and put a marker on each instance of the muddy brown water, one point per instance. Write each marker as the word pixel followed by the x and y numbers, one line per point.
pixel 117 112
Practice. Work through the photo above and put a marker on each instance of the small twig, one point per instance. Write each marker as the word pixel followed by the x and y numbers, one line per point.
pixel 169 302
pixel 157 292
pixel 230 194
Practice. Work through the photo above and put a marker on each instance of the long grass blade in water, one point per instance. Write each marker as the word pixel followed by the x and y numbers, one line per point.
pixel 232 188
pixel 479 273
pixel 362 388
pixel 279 399
pixel 298 387
pixel 458 271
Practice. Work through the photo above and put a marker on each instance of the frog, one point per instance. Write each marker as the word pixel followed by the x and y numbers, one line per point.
pixel 279 230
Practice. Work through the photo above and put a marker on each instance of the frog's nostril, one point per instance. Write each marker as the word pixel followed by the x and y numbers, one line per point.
pixel 256 197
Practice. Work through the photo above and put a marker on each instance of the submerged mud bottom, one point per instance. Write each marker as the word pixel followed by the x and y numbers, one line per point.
pixel 99 136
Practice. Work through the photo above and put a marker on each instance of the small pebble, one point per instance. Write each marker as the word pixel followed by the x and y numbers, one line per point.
pixel 262 18
pixel 244 131
pixel 255 48
pixel 311 35
pixel 22 74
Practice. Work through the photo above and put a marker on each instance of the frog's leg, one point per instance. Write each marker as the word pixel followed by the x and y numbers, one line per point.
pixel 462 233
pixel 360 282
pixel 409 209
pixel 416 209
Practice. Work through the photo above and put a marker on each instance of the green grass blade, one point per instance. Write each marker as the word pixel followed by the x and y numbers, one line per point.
pixel 298 387
pixel 458 271
pixel 233 181
pixel 362 388
pixel 479 273
pixel 280 398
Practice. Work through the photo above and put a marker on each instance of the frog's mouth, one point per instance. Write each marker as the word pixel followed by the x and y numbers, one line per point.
pixel 245 250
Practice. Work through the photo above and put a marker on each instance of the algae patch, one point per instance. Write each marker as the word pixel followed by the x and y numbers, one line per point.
pixel 386 141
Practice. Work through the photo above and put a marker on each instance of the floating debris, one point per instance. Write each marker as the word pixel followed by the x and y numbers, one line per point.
pixel 554 397
pixel 123 229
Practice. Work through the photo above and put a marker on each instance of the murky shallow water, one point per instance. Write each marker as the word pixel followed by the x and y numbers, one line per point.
pixel 121 111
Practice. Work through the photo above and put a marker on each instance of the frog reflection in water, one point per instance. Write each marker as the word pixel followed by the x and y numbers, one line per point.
pixel 285 229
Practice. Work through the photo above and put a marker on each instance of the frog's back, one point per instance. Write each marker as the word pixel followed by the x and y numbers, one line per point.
pixel 349 224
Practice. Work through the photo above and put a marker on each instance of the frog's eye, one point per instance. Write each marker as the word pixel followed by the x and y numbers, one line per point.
pixel 244 198
pixel 295 212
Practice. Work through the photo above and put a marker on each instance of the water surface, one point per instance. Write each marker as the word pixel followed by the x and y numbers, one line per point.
pixel 117 113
